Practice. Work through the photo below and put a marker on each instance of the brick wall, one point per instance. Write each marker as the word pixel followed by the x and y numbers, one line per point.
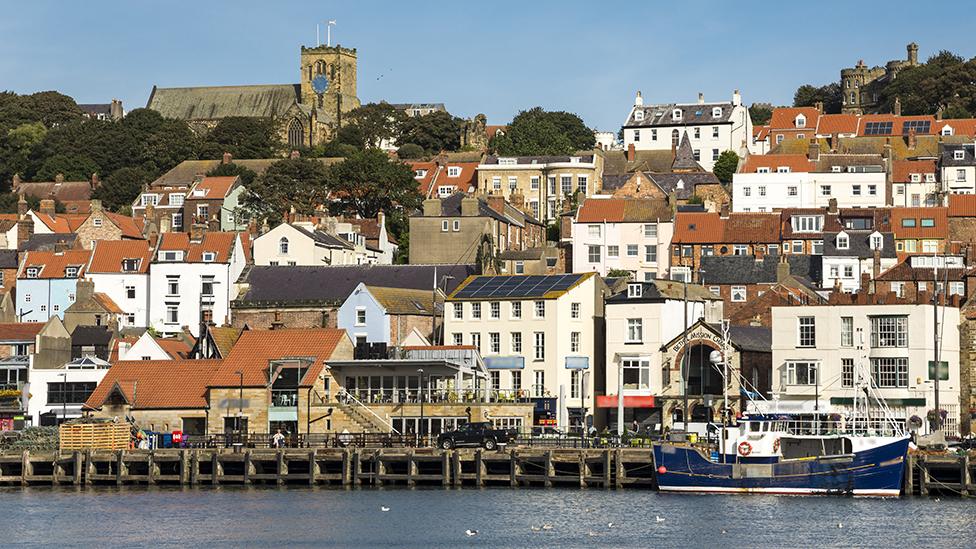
pixel 402 325
pixel 263 319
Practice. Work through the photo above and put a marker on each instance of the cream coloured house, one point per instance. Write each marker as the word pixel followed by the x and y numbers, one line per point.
pixel 540 184
pixel 820 351
pixel 623 234
pixel 540 336
pixel 302 243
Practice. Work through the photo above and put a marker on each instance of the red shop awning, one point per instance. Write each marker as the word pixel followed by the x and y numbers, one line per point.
pixel 634 401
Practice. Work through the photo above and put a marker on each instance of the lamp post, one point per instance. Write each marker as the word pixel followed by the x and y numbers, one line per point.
pixel 420 428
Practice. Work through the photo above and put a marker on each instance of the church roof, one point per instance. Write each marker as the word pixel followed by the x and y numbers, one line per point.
pixel 216 102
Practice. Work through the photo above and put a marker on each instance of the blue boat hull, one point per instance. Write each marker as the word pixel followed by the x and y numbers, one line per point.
pixel 875 472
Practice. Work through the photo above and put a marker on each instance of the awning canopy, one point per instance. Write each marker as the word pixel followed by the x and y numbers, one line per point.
pixel 630 401
pixel 577 362
pixel 504 362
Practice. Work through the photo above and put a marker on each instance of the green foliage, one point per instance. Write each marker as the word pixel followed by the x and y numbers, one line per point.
pixel 334 149
pixel 222 170
pixel 725 166
pixel 292 184
pixel 377 121
pixel 695 199
pixel 830 95
pixel 538 132
pixel 945 80
pixel 73 168
pixel 760 114
pixel 242 137
pixel 619 273
pixel 367 182
pixel 434 132
pixel 122 187
pixel 410 151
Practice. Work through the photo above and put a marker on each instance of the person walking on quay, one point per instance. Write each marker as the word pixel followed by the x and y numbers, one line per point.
pixel 278 439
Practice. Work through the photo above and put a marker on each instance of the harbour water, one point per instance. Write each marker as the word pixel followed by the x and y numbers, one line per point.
pixel 503 517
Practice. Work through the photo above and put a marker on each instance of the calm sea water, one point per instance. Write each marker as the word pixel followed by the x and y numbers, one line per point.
pixel 296 517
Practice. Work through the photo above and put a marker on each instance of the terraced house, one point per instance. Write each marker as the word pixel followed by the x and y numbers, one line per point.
pixel 541 183
pixel 620 234
pixel 698 235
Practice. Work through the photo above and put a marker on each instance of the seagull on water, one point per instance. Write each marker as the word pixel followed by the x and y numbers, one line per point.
pixel 610 525
pixel 658 518
pixel 384 508
pixel 840 524
pixel 591 533
pixel 536 529
pixel 470 533
pixel 547 526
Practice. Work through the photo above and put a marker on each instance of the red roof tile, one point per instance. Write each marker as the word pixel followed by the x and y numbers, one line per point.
pixel 20 331
pixel 157 384
pixel 962 205
pixel 621 210
pixel 222 244
pixel 960 126
pixel 738 228
pixel 466 178
pixel 54 263
pixel 424 183
pixel 831 124
pixel 213 187
pixel 107 256
pixel 174 347
pixel 902 169
pixel 939 228
pixel 784 118
pixel 795 162
pixel 896 123
pixel 256 348
pixel 107 303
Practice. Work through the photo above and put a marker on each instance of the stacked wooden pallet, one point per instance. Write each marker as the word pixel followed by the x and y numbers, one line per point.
pixel 94 436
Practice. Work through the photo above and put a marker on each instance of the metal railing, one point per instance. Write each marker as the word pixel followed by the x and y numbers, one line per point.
pixel 347 398
pixel 438 396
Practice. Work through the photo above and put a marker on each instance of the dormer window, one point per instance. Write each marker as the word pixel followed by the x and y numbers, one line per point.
pixel 843 242
pixel 835 169
pixel 71 271
pixel 150 199
pixel 453 171
pixel 506 161
pixel 172 255
pixel 638 115
pixel 420 174
pixel 876 241
pixel 958 155
pixel 764 169
pixel 800 121
pixel 916 177
pixel 131 265
pixel 783 169
pixel 930 178
pixel 635 290
pixel 947 130
pixel 33 272
pixel 851 169
pixel 209 257
pixel 199 193
pixel 676 114
pixel 176 199
pixel 716 112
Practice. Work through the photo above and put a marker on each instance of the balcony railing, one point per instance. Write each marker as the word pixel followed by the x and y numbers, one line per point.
pixel 434 396
pixel 286 398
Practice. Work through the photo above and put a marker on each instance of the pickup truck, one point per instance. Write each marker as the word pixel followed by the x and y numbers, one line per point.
pixel 480 433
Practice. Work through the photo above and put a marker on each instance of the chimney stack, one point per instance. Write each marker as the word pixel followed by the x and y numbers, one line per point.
pixel 227 159
pixel 85 290
pixel 759 253
pixel 15 183
pixel 724 211
pixel 782 270
pixel 638 101
pixel 813 151
pixel 95 181
pixel 25 229
pixel 59 178
pixel 912 138
pixel 96 205
pixel 736 98
pixel 897 106
pixel 432 207
pixel 22 206
pixel 116 112
pixel 469 206
pixel 876 266
pixel 631 152
pixel 938 113
pixel 701 98
pixel 832 206
pixel 496 203
pixel 47 206
pixel 819 106
pixel 196 232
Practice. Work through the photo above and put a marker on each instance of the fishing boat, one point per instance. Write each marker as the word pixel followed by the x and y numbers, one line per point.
pixel 772 454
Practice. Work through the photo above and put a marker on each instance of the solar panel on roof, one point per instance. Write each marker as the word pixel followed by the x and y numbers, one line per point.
pixel 920 126
pixel 484 287
pixel 878 128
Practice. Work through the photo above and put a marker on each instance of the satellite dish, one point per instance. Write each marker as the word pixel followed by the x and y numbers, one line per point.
pixel 320 83
pixel 715 357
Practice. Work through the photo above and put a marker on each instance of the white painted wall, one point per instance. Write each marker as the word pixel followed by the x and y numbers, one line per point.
pixel 764 192
pixel 114 285
pixel 621 235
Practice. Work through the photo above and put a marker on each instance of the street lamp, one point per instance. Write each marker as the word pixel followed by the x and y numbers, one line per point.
pixel 420 429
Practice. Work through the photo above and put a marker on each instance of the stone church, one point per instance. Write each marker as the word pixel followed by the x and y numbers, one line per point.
pixel 306 114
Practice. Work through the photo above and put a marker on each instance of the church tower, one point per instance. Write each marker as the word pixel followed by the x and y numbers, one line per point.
pixel 328 82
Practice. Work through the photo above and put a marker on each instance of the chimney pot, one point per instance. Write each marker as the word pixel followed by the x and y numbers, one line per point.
pixel 227 159
pixel 95 181
pixel 701 98
pixel 638 101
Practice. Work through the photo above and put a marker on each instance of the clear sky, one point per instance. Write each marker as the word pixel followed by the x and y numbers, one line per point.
pixel 495 57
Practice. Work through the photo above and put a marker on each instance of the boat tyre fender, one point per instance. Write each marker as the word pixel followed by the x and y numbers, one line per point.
pixel 776 445
pixel 745 449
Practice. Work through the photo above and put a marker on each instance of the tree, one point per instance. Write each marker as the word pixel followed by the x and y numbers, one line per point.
pixel 434 132
pixel 16 147
pixel 378 122
pixel 368 182
pixel 410 151
pixel 231 169
pixel 242 137
pixel 619 273
pixel 73 168
pixel 760 114
pixel 830 95
pixel 121 188
pixel 945 80
pixel 297 185
pixel 537 132
pixel 725 166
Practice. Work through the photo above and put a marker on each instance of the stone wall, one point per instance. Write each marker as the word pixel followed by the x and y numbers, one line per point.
pixel 402 325
pixel 967 370
pixel 288 317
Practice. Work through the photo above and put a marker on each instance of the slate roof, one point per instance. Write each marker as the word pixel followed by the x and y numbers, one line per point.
pixel 684 156
pixel 623 210
pixel 860 244
pixel 157 384
pixel 615 162
pixel 692 114
pixel 745 269
pixel 656 291
pixel 46 242
pixel 333 284
pixel 669 182
pixel 91 335
pixel 615 181
pixel 526 254
pixel 212 103
pixel 370 228
pixel 757 339
pixel 322 238
pixel 585 157
pixel 947 150
pixel 404 301
pixel 8 259
pixel 256 348
pixel 451 207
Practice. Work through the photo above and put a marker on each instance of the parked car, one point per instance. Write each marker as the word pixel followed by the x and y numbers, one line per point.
pixel 480 433
pixel 546 432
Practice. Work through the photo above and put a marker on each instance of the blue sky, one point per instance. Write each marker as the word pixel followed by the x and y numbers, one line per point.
pixel 494 57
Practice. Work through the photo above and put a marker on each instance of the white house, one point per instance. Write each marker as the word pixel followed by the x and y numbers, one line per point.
pixel 120 269
pixel 192 281
pixel 302 243
pixel 622 234
pixel 774 181
pixel 57 394
pixel 849 255
pixel 639 322
pixel 540 335
pixel 712 127
pixel 958 162
pixel 147 347
pixel 821 351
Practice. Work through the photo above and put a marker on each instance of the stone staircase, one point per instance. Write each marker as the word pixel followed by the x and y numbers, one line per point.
pixel 365 420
